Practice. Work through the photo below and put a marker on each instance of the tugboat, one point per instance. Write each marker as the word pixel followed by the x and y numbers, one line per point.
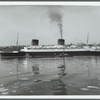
pixel 12 54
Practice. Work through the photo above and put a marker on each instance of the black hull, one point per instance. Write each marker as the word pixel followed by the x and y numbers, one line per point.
pixel 51 54
pixel 12 54
pixel 62 54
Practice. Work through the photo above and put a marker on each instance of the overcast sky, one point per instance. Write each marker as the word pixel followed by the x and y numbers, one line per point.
pixel 41 22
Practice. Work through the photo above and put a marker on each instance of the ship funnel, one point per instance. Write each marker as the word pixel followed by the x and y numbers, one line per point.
pixel 35 42
pixel 61 42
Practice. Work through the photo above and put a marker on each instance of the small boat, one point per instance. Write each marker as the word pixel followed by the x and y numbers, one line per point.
pixel 12 54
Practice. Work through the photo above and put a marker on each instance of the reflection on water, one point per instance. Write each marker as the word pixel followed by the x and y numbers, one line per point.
pixel 50 76
pixel 59 87
pixel 35 69
pixel 62 68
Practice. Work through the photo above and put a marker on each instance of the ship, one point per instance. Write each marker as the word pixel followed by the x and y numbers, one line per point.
pixel 12 54
pixel 59 50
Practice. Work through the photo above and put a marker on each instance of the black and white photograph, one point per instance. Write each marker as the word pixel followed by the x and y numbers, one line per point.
pixel 49 49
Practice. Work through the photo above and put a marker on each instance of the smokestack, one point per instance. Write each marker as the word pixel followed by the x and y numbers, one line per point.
pixel 35 42
pixel 61 42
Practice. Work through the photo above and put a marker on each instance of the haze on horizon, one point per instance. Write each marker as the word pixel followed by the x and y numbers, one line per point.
pixel 41 22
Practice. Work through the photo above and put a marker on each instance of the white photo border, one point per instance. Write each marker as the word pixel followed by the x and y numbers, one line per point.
pixel 63 3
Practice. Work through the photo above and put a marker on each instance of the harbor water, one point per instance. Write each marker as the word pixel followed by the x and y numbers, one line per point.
pixel 50 76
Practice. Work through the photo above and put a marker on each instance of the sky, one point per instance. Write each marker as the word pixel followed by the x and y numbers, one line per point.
pixel 43 22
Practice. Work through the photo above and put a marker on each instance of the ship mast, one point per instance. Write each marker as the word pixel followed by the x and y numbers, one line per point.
pixel 17 39
pixel 87 39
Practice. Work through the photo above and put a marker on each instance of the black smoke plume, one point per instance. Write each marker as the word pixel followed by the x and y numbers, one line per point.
pixel 56 16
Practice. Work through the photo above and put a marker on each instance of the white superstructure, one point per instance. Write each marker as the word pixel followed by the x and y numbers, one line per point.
pixel 55 48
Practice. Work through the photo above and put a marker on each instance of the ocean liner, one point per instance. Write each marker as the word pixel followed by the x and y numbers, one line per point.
pixel 59 50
